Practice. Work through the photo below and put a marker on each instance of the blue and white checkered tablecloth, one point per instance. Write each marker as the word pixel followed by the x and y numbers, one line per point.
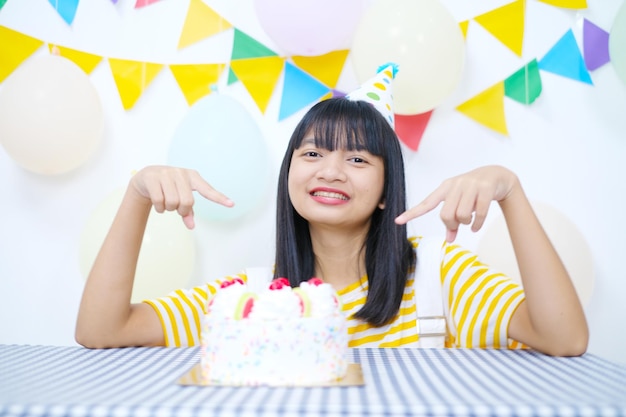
pixel 72 381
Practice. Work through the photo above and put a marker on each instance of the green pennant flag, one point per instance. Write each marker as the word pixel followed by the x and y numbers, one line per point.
pixel 232 78
pixel 246 47
pixel 2 3
pixel 524 85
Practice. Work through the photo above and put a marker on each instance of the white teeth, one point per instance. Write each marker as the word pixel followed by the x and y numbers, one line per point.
pixel 330 195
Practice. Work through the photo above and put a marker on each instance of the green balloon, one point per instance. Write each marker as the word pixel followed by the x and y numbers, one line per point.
pixel 617 43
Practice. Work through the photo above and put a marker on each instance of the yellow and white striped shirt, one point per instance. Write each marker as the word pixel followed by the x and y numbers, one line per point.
pixel 478 305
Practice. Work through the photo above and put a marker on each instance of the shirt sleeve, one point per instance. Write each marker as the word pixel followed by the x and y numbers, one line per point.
pixel 181 311
pixel 478 301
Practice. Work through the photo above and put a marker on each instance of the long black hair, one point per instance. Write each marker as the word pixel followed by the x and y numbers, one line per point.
pixel 340 123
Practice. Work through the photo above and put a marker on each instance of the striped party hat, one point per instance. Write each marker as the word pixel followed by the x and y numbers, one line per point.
pixel 377 91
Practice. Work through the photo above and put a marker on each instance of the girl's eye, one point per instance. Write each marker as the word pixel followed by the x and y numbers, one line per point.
pixel 311 154
pixel 357 160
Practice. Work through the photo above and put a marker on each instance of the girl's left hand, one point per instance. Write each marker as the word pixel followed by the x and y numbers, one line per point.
pixel 466 197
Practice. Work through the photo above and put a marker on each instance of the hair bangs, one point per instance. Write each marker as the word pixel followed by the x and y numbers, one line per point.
pixel 347 125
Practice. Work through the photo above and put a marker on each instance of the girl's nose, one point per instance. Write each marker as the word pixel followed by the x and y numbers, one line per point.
pixel 332 168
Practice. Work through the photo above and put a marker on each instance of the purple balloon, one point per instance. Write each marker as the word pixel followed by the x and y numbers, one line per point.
pixel 310 27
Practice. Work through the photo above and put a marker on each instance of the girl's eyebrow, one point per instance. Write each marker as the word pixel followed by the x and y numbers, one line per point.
pixel 309 141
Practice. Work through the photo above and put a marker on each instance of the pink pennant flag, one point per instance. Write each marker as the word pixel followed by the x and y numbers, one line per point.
pixel 142 3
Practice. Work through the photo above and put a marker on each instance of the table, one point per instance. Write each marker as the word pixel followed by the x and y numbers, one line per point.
pixel 73 381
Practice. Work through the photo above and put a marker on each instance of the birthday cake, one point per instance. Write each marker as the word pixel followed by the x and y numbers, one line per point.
pixel 278 336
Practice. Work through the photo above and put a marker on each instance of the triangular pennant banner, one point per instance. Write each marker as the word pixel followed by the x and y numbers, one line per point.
pixel 132 78
pixel 464 25
pixel 144 3
pixel 2 3
pixel 326 68
pixel 506 24
pixel 87 62
pixel 595 46
pixel 410 128
pixel 566 60
pixel 201 22
pixel 232 78
pixel 14 49
pixel 245 47
pixel 524 85
pixel 299 90
pixel 197 80
pixel 259 76
pixel 337 93
pixel 487 108
pixel 567 4
pixel 65 8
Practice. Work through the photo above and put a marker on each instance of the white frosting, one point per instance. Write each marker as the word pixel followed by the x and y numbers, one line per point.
pixel 226 304
pixel 324 300
pixel 276 304
pixel 274 345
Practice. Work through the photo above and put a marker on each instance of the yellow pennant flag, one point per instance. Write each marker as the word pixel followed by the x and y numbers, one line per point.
pixel 200 23
pixel 87 62
pixel 15 47
pixel 464 25
pixel 325 68
pixel 567 4
pixel 132 78
pixel 487 108
pixel 197 80
pixel 506 24
pixel 259 76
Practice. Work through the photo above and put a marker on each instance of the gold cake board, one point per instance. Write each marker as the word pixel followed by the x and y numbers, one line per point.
pixel 354 377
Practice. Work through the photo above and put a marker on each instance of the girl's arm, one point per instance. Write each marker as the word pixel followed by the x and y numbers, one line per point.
pixel 551 319
pixel 106 317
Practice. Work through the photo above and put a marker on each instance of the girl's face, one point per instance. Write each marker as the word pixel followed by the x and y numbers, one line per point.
pixel 338 188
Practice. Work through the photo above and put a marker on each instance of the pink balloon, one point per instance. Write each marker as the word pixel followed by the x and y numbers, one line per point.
pixel 310 27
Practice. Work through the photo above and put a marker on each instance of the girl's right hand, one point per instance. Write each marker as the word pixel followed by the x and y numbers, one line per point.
pixel 171 188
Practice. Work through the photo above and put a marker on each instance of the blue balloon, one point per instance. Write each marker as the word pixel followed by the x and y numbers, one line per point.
pixel 219 139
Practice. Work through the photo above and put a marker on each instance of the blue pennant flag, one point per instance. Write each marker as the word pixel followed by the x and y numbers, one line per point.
pixel 566 60
pixel 65 8
pixel 299 90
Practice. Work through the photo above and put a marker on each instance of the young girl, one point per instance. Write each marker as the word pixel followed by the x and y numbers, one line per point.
pixel 341 217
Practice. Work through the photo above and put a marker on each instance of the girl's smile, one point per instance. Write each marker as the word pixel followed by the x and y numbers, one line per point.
pixel 330 196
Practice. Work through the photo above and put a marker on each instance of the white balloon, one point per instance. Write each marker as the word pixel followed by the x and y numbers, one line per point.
pixel 51 116
pixel 495 248
pixel 168 251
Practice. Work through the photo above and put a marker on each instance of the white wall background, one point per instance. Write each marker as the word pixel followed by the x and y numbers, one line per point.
pixel 568 148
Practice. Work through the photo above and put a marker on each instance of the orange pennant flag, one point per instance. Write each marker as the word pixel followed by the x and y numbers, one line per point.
pixel 201 22
pixel 487 108
pixel 567 4
pixel 506 24
pixel 87 62
pixel 15 47
pixel 325 68
pixel 197 80
pixel 259 76
pixel 132 78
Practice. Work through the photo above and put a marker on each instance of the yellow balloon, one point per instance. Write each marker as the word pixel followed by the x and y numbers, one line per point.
pixel 423 38
pixel 168 251
pixel 51 117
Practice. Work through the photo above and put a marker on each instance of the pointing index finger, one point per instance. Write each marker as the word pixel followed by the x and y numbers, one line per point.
pixel 207 191
pixel 426 205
